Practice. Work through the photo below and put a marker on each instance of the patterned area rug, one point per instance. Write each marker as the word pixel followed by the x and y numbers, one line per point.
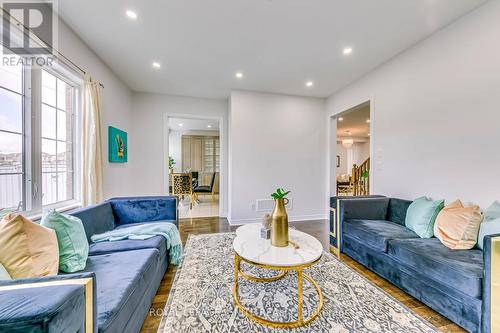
pixel 201 296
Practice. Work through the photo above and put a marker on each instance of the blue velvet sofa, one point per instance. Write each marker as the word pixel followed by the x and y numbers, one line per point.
pixel 125 276
pixel 455 283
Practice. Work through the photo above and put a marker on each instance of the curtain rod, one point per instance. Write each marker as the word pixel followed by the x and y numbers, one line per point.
pixel 73 64
pixel 53 48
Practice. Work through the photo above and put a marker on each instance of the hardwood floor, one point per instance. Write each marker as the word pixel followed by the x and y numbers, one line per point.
pixel 318 229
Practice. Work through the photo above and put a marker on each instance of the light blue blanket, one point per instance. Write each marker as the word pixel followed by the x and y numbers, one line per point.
pixel 144 231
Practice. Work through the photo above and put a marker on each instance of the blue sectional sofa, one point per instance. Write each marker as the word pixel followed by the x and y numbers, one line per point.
pixel 125 274
pixel 455 283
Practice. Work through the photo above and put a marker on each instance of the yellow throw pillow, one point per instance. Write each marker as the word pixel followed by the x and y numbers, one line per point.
pixel 27 249
pixel 457 226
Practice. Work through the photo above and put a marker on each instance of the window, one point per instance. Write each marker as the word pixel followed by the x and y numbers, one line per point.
pixel 57 139
pixel 11 137
pixel 37 138
pixel 211 154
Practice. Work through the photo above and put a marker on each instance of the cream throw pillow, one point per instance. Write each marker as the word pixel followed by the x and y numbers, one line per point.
pixel 27 249
pixel 457 226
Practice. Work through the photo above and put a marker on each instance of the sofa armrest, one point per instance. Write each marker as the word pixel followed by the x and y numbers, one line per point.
pixel 491 284
pixel 145 209
pixel 47 304
pixel 366 209
pixel 373 208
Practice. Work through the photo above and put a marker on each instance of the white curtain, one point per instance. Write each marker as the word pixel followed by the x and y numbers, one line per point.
pixel 92 143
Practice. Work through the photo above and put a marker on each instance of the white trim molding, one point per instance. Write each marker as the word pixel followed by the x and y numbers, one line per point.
pixel 291 219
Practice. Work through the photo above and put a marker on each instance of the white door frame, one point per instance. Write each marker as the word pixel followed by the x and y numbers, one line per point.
pixel 223 157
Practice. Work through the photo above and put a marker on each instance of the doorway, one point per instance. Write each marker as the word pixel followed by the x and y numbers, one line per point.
pixel 194 155
pixel 351 143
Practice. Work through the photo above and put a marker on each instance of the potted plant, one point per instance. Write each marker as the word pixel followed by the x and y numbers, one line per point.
pixel 364 177
pixel 279 219
pixel 171 163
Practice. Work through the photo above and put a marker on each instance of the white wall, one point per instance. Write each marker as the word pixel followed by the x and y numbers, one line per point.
pixel 360 152
pixel 277 141
pixel 175 148
pixel 436 113
pixel 149 129
pixel 342 152
pixel 116 109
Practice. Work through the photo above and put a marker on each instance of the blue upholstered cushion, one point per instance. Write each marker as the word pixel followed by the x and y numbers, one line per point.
pixel 123 278
pixel 459 269
pixel 156 242
pixel 450 302
pixel 396 212
pixel 144 209
pixel 96 219
pixel 47 309
pixel 376 233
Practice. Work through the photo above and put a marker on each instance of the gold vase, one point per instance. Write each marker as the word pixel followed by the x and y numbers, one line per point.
pixel 279 224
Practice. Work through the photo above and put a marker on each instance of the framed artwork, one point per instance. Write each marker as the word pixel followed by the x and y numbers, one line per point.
pixel 338 161
pixel 117 145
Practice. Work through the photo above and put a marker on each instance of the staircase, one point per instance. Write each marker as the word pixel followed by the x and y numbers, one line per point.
pixel 360 179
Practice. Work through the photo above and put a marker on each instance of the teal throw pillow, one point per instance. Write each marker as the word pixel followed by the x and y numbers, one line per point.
pixel 71 238
pixel 421 216
pixel 487 227
pixel 493 212
pixel 4 275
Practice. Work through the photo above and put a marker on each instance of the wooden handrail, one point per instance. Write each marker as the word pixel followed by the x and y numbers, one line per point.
pixel 360 184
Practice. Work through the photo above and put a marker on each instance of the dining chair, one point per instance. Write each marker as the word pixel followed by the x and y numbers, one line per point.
pixel 207 189
pixel 182 185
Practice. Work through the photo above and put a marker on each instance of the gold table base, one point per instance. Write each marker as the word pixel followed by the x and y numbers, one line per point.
pixel 284 270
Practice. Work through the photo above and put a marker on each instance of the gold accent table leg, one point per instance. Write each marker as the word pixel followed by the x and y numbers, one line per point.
pixel 259 279
pixel 301 276
pixel 237 262
pixel 300 293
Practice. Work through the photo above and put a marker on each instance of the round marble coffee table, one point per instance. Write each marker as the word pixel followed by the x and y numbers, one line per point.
pixel 302 251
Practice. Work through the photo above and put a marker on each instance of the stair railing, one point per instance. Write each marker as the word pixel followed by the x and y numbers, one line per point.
pixel 360 179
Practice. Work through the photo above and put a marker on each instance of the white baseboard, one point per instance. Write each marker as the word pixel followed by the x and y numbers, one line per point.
pixel 296 218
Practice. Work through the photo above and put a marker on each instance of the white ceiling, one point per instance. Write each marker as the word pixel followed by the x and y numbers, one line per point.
pixel 190 124
pixel 354 122
pixel 277 44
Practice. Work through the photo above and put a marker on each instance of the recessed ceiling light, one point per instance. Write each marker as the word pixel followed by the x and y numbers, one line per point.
pixel 341 119
pixel 156 64
pixel 368 121
pixel 181 124
pixel 131 14
pixel 347 50
pixel 309 84
pixel 239 75
pixel 209 126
